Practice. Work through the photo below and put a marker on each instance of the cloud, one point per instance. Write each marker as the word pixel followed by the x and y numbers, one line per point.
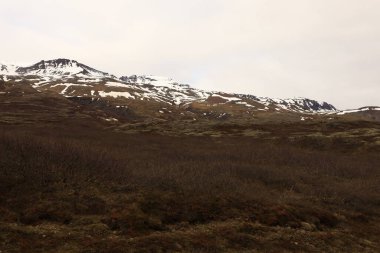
pixel 327 49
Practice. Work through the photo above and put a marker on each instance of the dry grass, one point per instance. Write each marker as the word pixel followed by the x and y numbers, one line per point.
pixel 108 192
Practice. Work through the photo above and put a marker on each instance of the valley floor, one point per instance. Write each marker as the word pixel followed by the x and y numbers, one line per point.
pixel 67 188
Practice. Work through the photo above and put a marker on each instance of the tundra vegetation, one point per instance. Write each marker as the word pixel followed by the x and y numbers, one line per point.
pixel 81 188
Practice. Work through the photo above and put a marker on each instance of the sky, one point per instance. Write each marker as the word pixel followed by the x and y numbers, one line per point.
pixel 328 50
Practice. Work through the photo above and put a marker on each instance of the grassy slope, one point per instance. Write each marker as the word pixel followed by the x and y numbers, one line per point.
pixel 72 182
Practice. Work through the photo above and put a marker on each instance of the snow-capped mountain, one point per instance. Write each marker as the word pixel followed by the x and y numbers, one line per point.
pixel 362 109
pixel 8 69
pixel 52 70
pixel 363 113
pixel 60 68
pixel 73 79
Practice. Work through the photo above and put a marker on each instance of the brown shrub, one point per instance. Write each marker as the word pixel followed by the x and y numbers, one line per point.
pixel 140 184
pixel 47 211
pixel 132 220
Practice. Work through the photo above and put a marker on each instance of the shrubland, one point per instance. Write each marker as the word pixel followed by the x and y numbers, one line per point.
pixel 82 189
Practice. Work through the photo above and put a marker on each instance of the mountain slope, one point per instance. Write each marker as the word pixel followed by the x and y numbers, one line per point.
pixel 61 68
pixel 363 113
pixel 150 94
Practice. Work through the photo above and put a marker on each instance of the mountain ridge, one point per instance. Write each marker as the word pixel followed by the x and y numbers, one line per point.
pixel 65 75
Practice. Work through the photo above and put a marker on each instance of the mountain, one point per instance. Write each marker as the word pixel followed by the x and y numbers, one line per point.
pixel 360 110
pixel 61 68
pixel 8 69
pixel 73 79
pixel 363 113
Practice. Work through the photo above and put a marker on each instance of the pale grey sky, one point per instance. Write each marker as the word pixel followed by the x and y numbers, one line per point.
pixel 323 49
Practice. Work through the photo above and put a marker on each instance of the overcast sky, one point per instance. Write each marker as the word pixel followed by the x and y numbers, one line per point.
pixel 323 49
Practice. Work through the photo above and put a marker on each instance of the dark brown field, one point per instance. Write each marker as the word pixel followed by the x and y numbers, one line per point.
pixel 71 181
pixel 82 188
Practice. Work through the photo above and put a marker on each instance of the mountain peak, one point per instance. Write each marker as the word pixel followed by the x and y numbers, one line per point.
pixel 72 78
pixel 61 67
pixel 7 69
pixel 57 62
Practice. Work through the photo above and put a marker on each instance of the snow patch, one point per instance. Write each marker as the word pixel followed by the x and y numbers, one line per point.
pixel 116 94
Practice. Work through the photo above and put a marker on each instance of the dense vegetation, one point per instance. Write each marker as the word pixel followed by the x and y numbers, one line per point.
pixel 67 189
